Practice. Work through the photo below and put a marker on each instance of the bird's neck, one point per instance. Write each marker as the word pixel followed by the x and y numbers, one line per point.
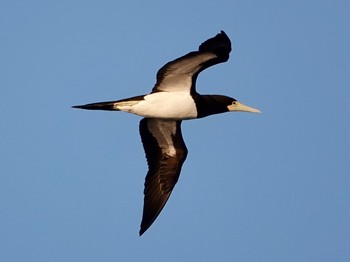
pixel 210 105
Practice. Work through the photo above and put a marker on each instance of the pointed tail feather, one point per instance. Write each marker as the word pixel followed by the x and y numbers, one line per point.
pixel 99 106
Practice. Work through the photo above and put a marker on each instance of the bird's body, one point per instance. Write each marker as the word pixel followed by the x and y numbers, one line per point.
pixel 173 99
pixel 178 105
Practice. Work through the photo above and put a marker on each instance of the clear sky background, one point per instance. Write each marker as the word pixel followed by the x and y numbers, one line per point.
pixel 268 187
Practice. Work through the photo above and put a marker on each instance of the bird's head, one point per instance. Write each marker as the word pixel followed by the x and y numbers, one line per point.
pixel 216 104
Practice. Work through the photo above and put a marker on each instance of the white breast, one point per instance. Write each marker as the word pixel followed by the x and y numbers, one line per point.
pixel 165 105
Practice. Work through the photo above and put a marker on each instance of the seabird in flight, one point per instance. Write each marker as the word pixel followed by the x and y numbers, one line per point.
pixel 173 98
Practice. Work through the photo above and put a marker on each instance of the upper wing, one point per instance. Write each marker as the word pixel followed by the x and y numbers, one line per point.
pixel 181 73
pixel 165 152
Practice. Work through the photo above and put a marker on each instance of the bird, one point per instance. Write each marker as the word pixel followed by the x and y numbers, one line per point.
pixel 173 99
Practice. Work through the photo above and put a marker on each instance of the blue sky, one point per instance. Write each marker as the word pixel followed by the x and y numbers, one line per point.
pixel 268 187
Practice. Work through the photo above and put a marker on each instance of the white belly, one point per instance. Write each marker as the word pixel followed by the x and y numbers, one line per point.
pixel 165 105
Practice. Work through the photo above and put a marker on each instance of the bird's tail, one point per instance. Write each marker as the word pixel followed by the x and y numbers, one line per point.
pixel 110 106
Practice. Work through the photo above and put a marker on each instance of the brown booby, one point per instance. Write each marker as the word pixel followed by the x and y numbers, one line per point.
pixel 173 98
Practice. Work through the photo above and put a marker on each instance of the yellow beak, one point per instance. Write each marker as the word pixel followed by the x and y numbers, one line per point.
pixel 237 106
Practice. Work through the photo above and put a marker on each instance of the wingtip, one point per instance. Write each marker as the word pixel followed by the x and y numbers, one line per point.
pixel 144 227
pixel 219 44
pixel 142 230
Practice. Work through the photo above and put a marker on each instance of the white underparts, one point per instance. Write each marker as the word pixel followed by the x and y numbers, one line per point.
pixel 123 104
pixel 164 105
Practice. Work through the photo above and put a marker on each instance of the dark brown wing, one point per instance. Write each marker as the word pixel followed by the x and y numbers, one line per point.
pixel 165 152
pixel 181 73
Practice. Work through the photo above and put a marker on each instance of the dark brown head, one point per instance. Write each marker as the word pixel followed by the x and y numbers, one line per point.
pixel 216 104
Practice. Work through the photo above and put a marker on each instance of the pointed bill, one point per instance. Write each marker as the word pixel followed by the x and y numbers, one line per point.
pixel 237 106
